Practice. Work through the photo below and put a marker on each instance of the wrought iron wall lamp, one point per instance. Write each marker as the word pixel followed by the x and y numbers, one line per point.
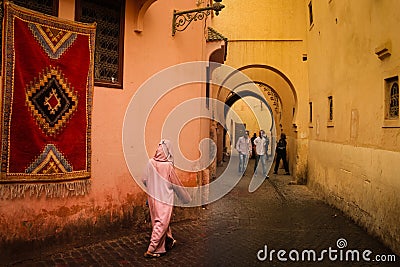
pixel 182 19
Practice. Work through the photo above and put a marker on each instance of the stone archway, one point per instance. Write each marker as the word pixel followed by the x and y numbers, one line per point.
pixel 278 92
pixel 273 82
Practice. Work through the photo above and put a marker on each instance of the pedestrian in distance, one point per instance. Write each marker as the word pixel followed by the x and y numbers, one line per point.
pixel 162 182
pixel 261 153
pixel 244 147
pixel 253 146
pixel 266 145
pixel 281 154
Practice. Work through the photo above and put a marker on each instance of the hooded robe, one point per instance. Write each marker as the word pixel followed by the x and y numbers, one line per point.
pixel 162 182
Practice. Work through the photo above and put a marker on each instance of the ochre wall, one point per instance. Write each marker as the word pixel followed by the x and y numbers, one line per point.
pixel 353 160
pixel 115 198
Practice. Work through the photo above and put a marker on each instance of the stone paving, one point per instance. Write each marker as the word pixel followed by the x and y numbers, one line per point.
pixel 242 229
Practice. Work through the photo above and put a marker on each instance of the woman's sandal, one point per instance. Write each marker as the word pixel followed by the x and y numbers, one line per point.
pixel 148 254
pixel 170 243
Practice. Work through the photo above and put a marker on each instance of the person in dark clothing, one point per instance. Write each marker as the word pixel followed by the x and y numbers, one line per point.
pixel 281 154
pixel 253 146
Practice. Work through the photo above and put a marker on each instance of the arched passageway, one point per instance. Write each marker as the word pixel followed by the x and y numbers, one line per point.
pixel 278 96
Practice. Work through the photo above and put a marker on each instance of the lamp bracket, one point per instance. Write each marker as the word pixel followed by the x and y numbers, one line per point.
pixel 182 19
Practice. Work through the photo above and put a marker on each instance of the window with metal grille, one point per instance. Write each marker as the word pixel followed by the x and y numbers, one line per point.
pixel 394 101
pixel 49 7
pixel 392 98
pixel 109 16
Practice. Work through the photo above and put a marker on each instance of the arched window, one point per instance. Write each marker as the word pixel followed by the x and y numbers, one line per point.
pixel 394 101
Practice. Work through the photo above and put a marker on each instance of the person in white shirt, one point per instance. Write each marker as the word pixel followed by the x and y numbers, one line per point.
pixel 243 146
pixel 261 143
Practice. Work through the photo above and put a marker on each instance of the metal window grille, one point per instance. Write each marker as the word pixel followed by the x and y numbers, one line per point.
pixel 109 16
pixel 394 101
pixel 49 7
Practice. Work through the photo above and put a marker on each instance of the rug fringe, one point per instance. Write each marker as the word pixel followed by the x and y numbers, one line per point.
pixel 50 190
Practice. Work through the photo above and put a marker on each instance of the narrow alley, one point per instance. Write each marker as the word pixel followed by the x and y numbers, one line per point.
pixel 243 229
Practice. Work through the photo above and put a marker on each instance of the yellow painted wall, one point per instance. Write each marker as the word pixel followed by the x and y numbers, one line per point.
pixel 353 160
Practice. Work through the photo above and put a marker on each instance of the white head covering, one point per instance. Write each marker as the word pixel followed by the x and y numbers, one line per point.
pixel 164 151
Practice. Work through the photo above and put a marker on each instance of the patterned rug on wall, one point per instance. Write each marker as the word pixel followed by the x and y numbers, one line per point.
pixel 46 105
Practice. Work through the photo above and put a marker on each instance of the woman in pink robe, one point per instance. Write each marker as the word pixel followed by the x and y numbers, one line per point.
pixel 162 182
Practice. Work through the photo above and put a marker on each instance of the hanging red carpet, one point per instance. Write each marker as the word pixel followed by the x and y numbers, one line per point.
pixel 47 95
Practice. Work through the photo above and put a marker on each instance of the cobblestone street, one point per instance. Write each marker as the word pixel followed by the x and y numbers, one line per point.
pixel 242 229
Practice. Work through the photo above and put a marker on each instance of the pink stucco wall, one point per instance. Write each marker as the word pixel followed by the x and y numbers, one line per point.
pixel 114 194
